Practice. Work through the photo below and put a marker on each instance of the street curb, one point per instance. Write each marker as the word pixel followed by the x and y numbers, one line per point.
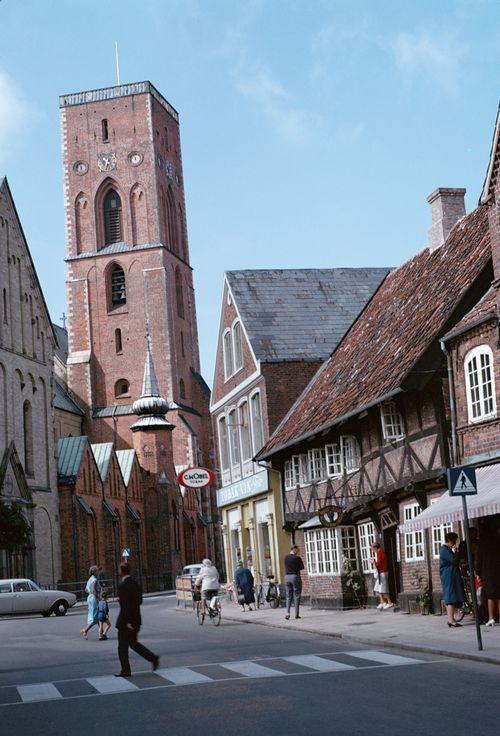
pixel 374 642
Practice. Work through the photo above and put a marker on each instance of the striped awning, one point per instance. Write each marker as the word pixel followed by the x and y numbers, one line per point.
pixel 448 509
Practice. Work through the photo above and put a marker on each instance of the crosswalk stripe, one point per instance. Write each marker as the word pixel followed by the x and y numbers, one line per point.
pixel 111 684
pixel 251 669
pixel 38 691
pixel 384 657
pixel 182 675
pixel 319 663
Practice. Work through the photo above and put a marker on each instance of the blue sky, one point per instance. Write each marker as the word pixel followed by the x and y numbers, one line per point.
pixel 312 131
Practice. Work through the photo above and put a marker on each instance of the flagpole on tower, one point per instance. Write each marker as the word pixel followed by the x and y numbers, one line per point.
pixel 117 64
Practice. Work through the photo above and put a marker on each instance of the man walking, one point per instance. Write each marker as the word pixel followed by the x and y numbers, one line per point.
pixel 128 622
pixel 293 582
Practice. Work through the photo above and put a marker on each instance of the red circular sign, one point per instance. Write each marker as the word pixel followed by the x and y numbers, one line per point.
pixel 196 477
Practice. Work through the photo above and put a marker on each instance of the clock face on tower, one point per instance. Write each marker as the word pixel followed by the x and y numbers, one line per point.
pixel 135 158
pixel 81 167
pixel 106 161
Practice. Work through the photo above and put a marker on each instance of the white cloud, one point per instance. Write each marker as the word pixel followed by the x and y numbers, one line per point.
pixel 277 104
pixel 437 58
pixel 15 114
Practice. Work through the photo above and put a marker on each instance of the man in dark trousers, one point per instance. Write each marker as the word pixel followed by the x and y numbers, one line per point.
pixel 293 581
pixel 128 622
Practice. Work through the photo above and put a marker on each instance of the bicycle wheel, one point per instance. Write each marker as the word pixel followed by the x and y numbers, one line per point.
pixel 215 612
pixel 199 614
pixel 274 597
pixel 459 614
pixel 260 597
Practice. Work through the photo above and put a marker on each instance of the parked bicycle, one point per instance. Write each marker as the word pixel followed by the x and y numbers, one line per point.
pixel 467 608
pixel 213 610
pixel 267 594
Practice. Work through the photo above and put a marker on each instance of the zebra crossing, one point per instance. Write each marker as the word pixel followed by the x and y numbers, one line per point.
pixel 167 677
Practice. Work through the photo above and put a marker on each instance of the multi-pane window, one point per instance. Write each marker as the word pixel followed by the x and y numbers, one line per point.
pixel 223 444
pixel 322 552
pixel 342 457
pixel 480 384
pixel 258 433
pixel 292 472
pixel 237 347
pixel 246 439
pixel 350 453
pixel 438 534
pixel 227 348
pixel 333 461
pixel 349 550
pixel 112 210
pixel 118 291
pixel 366 533
pixel 234 443
pixel 414 541
pixel 392 422
pixel 316 460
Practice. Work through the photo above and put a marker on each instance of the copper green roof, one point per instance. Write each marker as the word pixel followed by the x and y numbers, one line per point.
pixel 70 455
pixel 102 455
pixel 126 462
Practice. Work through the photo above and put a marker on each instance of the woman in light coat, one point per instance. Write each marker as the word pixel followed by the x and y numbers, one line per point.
pixel 208 579
pixel 92 588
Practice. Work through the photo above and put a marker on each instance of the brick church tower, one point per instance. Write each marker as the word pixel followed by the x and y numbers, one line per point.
pixel 128 273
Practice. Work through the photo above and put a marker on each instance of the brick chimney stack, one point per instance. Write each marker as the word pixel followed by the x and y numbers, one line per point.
pixel 447 207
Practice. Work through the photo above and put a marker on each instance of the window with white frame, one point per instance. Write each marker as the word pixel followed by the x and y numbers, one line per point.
pixel 292 473
pixel 480 383
pixel 392 421
pixel 438 534
pixel 366 534
pixel 227 349
pixel 349 549
pixel 414 541
pixel 333 461
pixel 316 461
pixel 223 444
pixel 234 444
pixel 350 453
pixel 258 432
pixel 237 347
pixel 245 434
pixel 322 552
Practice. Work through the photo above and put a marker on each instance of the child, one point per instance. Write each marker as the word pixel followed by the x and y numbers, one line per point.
pixel 103 615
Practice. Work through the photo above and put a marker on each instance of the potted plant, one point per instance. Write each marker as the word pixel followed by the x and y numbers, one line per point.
pixel 353 582
pixel 424 592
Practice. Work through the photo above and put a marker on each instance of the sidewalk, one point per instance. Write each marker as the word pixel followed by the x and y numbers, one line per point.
pixel 382 629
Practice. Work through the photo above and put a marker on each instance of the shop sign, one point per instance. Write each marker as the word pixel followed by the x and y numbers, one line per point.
pixel 330 516
pixel 244 488
pixel 195 477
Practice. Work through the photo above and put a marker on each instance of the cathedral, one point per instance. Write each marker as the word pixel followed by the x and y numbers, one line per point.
pixel 117 406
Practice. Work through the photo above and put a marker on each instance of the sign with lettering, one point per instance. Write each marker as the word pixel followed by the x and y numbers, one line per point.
pixel 196 477
pixel 244 488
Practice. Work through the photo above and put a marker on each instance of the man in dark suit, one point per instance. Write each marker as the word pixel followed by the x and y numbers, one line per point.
pixel 128 622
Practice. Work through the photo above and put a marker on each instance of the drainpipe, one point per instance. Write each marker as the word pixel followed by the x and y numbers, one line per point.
pixel 452 404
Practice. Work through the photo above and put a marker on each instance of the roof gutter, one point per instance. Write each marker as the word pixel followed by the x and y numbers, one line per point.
pixel 263 455
pixel 467 328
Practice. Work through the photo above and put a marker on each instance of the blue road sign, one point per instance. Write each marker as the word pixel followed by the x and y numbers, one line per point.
pixel 462 481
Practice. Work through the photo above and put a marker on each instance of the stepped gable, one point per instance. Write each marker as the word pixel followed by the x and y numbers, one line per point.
pixel 412 308
pixel 300 314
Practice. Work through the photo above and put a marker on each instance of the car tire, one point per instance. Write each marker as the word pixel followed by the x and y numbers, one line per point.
pixel 46 614
pixel 60 608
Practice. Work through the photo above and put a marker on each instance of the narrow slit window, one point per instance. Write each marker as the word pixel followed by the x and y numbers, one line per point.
pixel 105 131
pixel 118 340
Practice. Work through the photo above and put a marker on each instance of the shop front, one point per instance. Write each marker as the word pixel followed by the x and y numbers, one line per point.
pixel 252 525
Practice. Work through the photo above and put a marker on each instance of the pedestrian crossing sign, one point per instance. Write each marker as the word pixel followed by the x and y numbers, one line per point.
pixel 462 481
pixel 126 552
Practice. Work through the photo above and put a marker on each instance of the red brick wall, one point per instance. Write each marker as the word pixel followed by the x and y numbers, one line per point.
pixel 285 382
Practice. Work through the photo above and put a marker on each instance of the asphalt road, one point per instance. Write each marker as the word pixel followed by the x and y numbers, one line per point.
pixel 235 679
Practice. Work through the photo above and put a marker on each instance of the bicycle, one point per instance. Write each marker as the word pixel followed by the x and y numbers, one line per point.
pixel 467 608
pixel 213 609
pixel 272 595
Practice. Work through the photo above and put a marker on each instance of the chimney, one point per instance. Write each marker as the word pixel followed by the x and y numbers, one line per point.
pixel 447 207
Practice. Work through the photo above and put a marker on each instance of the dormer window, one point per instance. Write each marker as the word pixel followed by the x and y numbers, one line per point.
pixel 392 422
pixel 480 382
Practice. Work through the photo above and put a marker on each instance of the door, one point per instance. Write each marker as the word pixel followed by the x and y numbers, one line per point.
pixel 27 599
pixel 391 550
pixel 6 598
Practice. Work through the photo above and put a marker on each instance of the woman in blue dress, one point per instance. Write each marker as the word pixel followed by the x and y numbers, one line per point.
pixel 451 582
pixel 244 584
pixel 92 589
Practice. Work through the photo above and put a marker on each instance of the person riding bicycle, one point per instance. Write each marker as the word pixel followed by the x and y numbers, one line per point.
pixel 208 579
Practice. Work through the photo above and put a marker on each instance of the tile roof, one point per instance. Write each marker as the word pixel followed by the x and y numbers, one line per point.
pixel 300 314
pixel 485 308
pixel 70 452
pixel 63 401
pixel 412 308
pixel 125 461
pixel 102 455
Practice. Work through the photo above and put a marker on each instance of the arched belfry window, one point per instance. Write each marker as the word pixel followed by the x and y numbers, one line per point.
pixel 28 438
pixel 112 210
pixel 118 291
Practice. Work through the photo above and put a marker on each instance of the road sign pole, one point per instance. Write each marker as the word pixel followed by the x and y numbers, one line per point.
pixel 472 575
